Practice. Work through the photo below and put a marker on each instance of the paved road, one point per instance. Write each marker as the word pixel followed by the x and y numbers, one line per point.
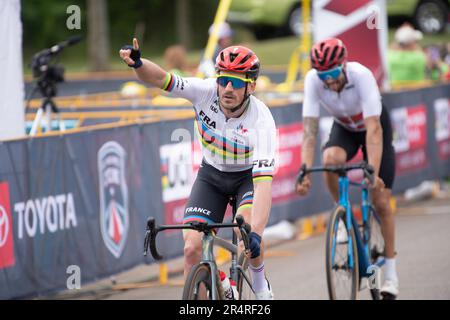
pixel 296 268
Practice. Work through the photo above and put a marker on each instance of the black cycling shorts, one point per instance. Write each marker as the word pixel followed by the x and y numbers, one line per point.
pixel 351 141
pixel 212 191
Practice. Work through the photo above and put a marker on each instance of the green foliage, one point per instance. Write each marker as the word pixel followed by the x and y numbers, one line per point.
pixel 44 22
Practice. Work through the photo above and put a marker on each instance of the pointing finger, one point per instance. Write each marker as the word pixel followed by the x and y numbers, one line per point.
pixel 135 44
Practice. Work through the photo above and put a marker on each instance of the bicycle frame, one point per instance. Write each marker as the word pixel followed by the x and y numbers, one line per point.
pixel 208 242
pixel 362 244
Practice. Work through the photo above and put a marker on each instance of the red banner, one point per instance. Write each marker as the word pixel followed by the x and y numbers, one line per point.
pixel 290 139
pixel 6 229
pixel 361 25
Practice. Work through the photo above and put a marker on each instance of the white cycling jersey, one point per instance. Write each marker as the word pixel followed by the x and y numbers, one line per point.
pixel 234 144
pixel 359 99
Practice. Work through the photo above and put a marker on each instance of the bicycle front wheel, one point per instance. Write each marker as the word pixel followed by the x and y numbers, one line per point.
pixel 376 250
pixel 244 283
pixel 342 274
pixel 198 285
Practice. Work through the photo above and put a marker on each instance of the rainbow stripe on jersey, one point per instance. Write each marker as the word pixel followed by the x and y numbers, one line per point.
pixel 220 145
pixel 169 84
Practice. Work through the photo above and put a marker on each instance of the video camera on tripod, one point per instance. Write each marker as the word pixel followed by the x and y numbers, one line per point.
pixel 47 76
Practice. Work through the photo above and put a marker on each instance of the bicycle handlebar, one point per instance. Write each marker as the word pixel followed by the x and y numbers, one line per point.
pixel 340 170
pixel 152 231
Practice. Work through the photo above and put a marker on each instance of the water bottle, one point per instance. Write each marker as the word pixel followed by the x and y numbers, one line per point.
pixel 233 287
pixel 226 285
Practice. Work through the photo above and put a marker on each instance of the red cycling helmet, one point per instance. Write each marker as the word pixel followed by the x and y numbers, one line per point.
pixel 238 59
pixel 328 54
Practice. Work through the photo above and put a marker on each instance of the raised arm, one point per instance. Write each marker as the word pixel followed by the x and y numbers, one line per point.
pixel 190 88
pixel 146 70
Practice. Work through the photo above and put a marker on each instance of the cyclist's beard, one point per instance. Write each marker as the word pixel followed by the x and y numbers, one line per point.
pixel 237 107
pixel 340 84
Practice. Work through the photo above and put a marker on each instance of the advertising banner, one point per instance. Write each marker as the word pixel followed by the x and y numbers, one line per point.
pixel 410 138
pixel 442 127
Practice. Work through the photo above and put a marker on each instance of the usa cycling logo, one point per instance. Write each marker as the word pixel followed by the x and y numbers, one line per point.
pixel 114 216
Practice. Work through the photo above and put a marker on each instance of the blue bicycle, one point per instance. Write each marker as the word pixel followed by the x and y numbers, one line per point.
pixel 353 251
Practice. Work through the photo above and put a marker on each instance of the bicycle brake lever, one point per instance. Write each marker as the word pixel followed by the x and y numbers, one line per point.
pixel 240 220
pixel 301 174
pixel 146 242
pixel 152 231
pixel 245 230
pixel 368 172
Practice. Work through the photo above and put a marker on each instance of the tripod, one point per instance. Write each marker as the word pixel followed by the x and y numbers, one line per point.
pixel 48 76
pixel 47 87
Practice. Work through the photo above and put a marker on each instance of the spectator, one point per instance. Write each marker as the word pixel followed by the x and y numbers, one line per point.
pixel 176 61
pixel 446 55
pixel 436 67
pixel 225 39
pixel 406 60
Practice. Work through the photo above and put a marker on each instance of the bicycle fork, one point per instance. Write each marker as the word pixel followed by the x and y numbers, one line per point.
pixel 345 202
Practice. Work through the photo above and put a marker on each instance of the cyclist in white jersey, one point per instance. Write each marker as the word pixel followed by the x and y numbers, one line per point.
pixel 349 92
pixel 238 135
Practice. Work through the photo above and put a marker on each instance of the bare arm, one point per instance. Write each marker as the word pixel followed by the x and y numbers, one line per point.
pixel 374 142
pixel 311 128
pixel 149 72
pixel 262 202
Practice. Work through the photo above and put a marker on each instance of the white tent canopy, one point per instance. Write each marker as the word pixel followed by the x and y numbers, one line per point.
pixel 12 123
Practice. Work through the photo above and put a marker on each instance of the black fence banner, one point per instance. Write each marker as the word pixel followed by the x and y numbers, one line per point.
pixel 78 203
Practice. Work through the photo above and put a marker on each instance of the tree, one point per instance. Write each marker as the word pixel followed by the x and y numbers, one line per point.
pixel 98 35
pixel 183 23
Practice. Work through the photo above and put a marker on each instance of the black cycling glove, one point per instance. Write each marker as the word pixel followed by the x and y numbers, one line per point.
pixel 255 244
pixel 135 55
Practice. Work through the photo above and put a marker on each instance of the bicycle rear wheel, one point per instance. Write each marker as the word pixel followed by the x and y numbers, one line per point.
pixel 198 284
pixel 243 287
pixel 376 248
pixel 342 278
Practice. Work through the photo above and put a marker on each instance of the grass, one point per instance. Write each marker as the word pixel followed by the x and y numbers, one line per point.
pixel 272 52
